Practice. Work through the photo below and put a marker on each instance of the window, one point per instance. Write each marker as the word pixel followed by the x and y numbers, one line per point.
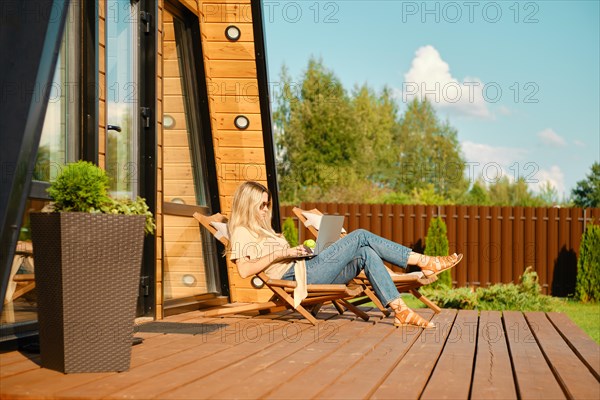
pixel 122 97
pixel 60 134
pixel 59 144
pixel 190 261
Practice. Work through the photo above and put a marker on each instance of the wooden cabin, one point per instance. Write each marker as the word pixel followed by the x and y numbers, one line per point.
pixel 171 99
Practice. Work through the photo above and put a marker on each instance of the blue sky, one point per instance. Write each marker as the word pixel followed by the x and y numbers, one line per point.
pixel 520 81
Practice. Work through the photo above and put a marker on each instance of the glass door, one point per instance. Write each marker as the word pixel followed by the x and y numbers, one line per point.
pixel 122 102
pixel 59 144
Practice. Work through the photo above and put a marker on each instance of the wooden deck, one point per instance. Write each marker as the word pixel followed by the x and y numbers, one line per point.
pixel 487 356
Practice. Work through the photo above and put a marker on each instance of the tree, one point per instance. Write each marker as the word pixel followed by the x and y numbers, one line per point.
pixel 477 195
pixel 504 193
pixel 587 287
pixel 436 244
pixel 375 123
pixel 548 194
pixel 587 191
pixel 428 152
pixel 290 232
pixel 318 145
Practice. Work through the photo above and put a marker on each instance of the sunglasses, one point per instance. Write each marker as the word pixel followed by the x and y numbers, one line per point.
pixel 265 204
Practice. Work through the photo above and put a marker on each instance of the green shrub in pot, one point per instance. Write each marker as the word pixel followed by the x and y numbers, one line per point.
pixel 88 250
pixel 83 187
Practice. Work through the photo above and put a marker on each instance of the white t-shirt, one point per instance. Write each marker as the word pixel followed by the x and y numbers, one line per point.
pixel 246 244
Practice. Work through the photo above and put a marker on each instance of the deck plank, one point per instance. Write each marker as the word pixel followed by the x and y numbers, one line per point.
pixel 526 356
pixel 16 368
pixel 534 378
pixel 297 337
pixel 451 378
pixel 247 341
pixel 493 377
pixel 261 384
pixel 575 378
pixel 582 344
pixel 150 361
pixel 311 381
pixel 424 353
pixel 373 367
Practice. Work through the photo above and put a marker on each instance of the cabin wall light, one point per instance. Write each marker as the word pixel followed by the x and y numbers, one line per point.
pixel 233 33
pixel 241 122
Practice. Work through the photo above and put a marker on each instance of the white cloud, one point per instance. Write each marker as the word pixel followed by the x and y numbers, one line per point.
pixel 503 110
pixel 554 176
pixel 551 138
pixel 493 162
pixel 429 76
pixel 579 143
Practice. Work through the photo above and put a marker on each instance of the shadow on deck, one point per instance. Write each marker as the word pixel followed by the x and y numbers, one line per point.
pixel 492 355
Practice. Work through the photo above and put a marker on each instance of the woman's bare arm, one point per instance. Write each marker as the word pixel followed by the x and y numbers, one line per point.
pixel 248 267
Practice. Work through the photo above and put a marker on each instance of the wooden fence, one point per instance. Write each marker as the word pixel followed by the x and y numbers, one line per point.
pixel 498 243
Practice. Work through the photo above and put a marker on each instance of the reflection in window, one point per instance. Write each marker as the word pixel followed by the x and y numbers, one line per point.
pixel 59 141
pixel 58 145
pixel 122 158
pixel 20 300
pixel 184 161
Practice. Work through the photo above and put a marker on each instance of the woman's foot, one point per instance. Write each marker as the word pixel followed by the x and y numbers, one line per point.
pixel 404 316
pixel 410 318
pixel 431 265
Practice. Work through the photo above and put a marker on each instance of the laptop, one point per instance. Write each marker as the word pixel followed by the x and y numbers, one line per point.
pixel 329 233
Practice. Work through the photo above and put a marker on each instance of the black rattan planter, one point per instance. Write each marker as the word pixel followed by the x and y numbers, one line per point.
pixel 87 269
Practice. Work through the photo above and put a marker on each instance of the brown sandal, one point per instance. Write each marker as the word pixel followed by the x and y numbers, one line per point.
pixel 431 265
pixel 411 318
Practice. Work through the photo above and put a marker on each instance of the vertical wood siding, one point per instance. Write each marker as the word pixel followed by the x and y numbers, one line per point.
pixel 498 243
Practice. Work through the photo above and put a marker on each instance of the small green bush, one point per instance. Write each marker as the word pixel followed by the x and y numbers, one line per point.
pixel 444 296
pixel 130 207
pixel 524 296
pixel 436 244
pixel 587 287
pixel 290 232
pixel 83 187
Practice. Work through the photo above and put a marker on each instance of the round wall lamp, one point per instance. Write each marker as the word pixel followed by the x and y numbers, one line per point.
pixel 257 283
pixel 177 200
pixel 233 33
pixel 188 280
pixel 168 121
pixel 241 122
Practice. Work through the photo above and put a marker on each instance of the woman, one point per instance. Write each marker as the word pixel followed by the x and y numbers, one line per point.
pixel 255 247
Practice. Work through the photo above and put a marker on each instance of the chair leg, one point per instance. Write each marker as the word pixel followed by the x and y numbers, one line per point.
pixel 315 309
pixel 338 307
pixel 426 301
pixel 288 299
pixel 377 302
pixel 360 313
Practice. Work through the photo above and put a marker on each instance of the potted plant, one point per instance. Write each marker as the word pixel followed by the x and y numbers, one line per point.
pixel 88 252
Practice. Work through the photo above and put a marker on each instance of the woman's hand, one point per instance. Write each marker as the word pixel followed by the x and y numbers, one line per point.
pixel 298 251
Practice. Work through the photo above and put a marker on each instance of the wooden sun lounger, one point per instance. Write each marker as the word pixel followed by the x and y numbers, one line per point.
pixel 283 289
pixel 409 282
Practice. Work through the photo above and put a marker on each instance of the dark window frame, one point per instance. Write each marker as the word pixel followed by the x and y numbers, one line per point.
pixel 148 145
pixel 265 108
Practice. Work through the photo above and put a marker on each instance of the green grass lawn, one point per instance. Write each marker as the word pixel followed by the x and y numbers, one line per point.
pixel 585 315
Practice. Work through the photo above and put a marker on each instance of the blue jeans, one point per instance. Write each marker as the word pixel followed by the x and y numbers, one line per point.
pixel 357 251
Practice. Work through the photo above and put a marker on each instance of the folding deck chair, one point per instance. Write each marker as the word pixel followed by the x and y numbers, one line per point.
pixel 283 289
pixel 21 283
pixel 405 282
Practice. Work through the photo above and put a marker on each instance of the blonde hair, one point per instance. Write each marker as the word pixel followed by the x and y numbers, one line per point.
pixel 247 201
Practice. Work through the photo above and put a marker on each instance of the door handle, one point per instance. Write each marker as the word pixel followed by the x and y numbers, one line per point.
pixel 113 128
